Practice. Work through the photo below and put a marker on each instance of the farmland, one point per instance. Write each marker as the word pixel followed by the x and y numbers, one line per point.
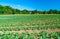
pixel 30 25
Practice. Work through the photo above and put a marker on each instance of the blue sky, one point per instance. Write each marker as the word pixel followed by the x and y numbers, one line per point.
pixel 32 4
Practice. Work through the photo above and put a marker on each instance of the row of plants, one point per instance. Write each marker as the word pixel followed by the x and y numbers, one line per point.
pixel 17 28
pixel 26 35
pixel 41 23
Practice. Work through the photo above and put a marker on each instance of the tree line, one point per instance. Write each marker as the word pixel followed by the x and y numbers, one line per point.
pixel 10 10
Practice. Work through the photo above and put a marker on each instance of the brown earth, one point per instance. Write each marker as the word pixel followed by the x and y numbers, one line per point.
pixel 33 31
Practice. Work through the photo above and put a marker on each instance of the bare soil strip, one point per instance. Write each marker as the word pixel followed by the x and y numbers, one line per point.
pixel 33 31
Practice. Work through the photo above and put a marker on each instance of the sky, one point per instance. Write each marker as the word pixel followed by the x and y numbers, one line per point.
pixel 32 4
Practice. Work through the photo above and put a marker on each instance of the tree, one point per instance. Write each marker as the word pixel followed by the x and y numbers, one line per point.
pixel 16 11
pixel 10 10
pixel 25 11
pixel 34 12
pixel 1 9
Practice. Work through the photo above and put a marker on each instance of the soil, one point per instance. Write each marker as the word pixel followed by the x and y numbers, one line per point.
pixel 33 31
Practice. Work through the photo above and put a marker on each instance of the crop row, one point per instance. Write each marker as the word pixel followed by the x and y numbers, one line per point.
pixel 26 35
pixel 28 28
pixel 31 24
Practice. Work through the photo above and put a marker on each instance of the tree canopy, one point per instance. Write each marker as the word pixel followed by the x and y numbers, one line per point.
pixel 10 10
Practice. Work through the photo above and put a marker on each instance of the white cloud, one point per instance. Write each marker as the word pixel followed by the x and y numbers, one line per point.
pixel 21 7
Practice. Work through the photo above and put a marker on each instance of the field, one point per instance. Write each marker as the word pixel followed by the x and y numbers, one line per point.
pixel 30 26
